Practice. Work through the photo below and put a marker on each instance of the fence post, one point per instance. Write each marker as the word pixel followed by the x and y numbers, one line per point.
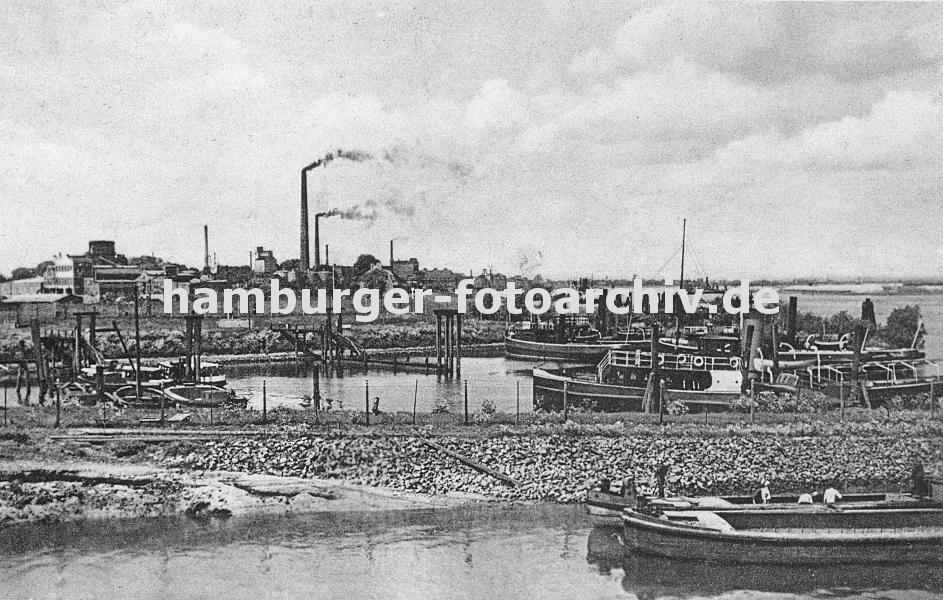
pixel 752 404
pixel 841 399
pixel 466 402
pixel 58 403
pixel 517 418
pixel 566 400
pixel 264 403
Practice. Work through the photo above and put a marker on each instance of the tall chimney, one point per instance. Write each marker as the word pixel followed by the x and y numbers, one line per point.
pixel 317 241
pixel 206 247
pixel 305 249
pixel 327 254
pixel 391 256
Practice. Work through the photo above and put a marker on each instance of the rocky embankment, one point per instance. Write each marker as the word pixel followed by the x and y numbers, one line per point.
pixel 42 491
pixel 558 466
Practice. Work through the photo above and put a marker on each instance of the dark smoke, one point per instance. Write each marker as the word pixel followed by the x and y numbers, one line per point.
pixel 353 155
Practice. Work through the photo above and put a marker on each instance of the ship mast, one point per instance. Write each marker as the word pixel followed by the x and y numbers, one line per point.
pixel 684 228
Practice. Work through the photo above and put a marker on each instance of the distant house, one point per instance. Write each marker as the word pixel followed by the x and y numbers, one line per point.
pixel 30 285
pixel 45 307
pixel 443 280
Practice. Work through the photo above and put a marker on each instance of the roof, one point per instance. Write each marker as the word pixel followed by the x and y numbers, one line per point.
pixel 117 274
pixel 39 298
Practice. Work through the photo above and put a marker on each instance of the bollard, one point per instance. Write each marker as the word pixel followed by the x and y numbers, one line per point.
pixel 466 402
pixel 264 403
pixel 366 401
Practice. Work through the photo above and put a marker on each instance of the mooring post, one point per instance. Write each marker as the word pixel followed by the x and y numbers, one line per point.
pixel 366 401
pixel 466 402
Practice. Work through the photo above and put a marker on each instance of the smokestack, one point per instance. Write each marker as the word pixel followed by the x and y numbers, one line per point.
pixel 305 249
pixel 206 247
pixel 317 240
pixel 327 254
pixel 391 256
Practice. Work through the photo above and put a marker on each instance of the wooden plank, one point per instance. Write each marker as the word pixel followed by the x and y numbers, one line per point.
pixel 472 463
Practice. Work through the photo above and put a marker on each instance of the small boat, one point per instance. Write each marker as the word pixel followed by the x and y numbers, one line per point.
pixel 816 536
pixel 150 397
pixel 198 395
pixel 210 373
pixel 607 506
pixel 152 376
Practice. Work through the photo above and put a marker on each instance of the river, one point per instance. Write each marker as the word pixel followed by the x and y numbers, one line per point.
pixel 498 379
pixel 542 552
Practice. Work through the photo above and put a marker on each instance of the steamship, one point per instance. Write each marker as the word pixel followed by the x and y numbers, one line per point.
pixel 570 339
pixel 619 381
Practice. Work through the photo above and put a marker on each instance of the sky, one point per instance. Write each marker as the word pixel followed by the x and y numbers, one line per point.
pixel 564 138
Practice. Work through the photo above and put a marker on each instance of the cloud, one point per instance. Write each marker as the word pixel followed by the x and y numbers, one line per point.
pixel 903 131
pixel 772 42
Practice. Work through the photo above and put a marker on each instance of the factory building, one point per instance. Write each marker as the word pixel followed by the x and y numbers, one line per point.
pixel 264 263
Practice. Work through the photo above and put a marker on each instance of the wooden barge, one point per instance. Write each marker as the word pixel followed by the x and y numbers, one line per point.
pixel 789 536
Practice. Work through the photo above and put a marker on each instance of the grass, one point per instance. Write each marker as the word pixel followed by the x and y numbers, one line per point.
pixel 42 419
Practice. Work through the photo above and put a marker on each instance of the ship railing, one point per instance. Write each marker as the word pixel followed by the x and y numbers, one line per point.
pixel 918 368
pixel 603 365
pixel 677 362
pixel 832 374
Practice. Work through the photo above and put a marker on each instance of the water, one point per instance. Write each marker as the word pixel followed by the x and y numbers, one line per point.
pixel 495 379
pixel 542 552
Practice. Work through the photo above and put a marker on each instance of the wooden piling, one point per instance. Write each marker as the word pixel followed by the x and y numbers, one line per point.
pixel 438 344
pixel 458 345
pixel 415 398
pixel 791 316
pixel 466 402
pixel 366 401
